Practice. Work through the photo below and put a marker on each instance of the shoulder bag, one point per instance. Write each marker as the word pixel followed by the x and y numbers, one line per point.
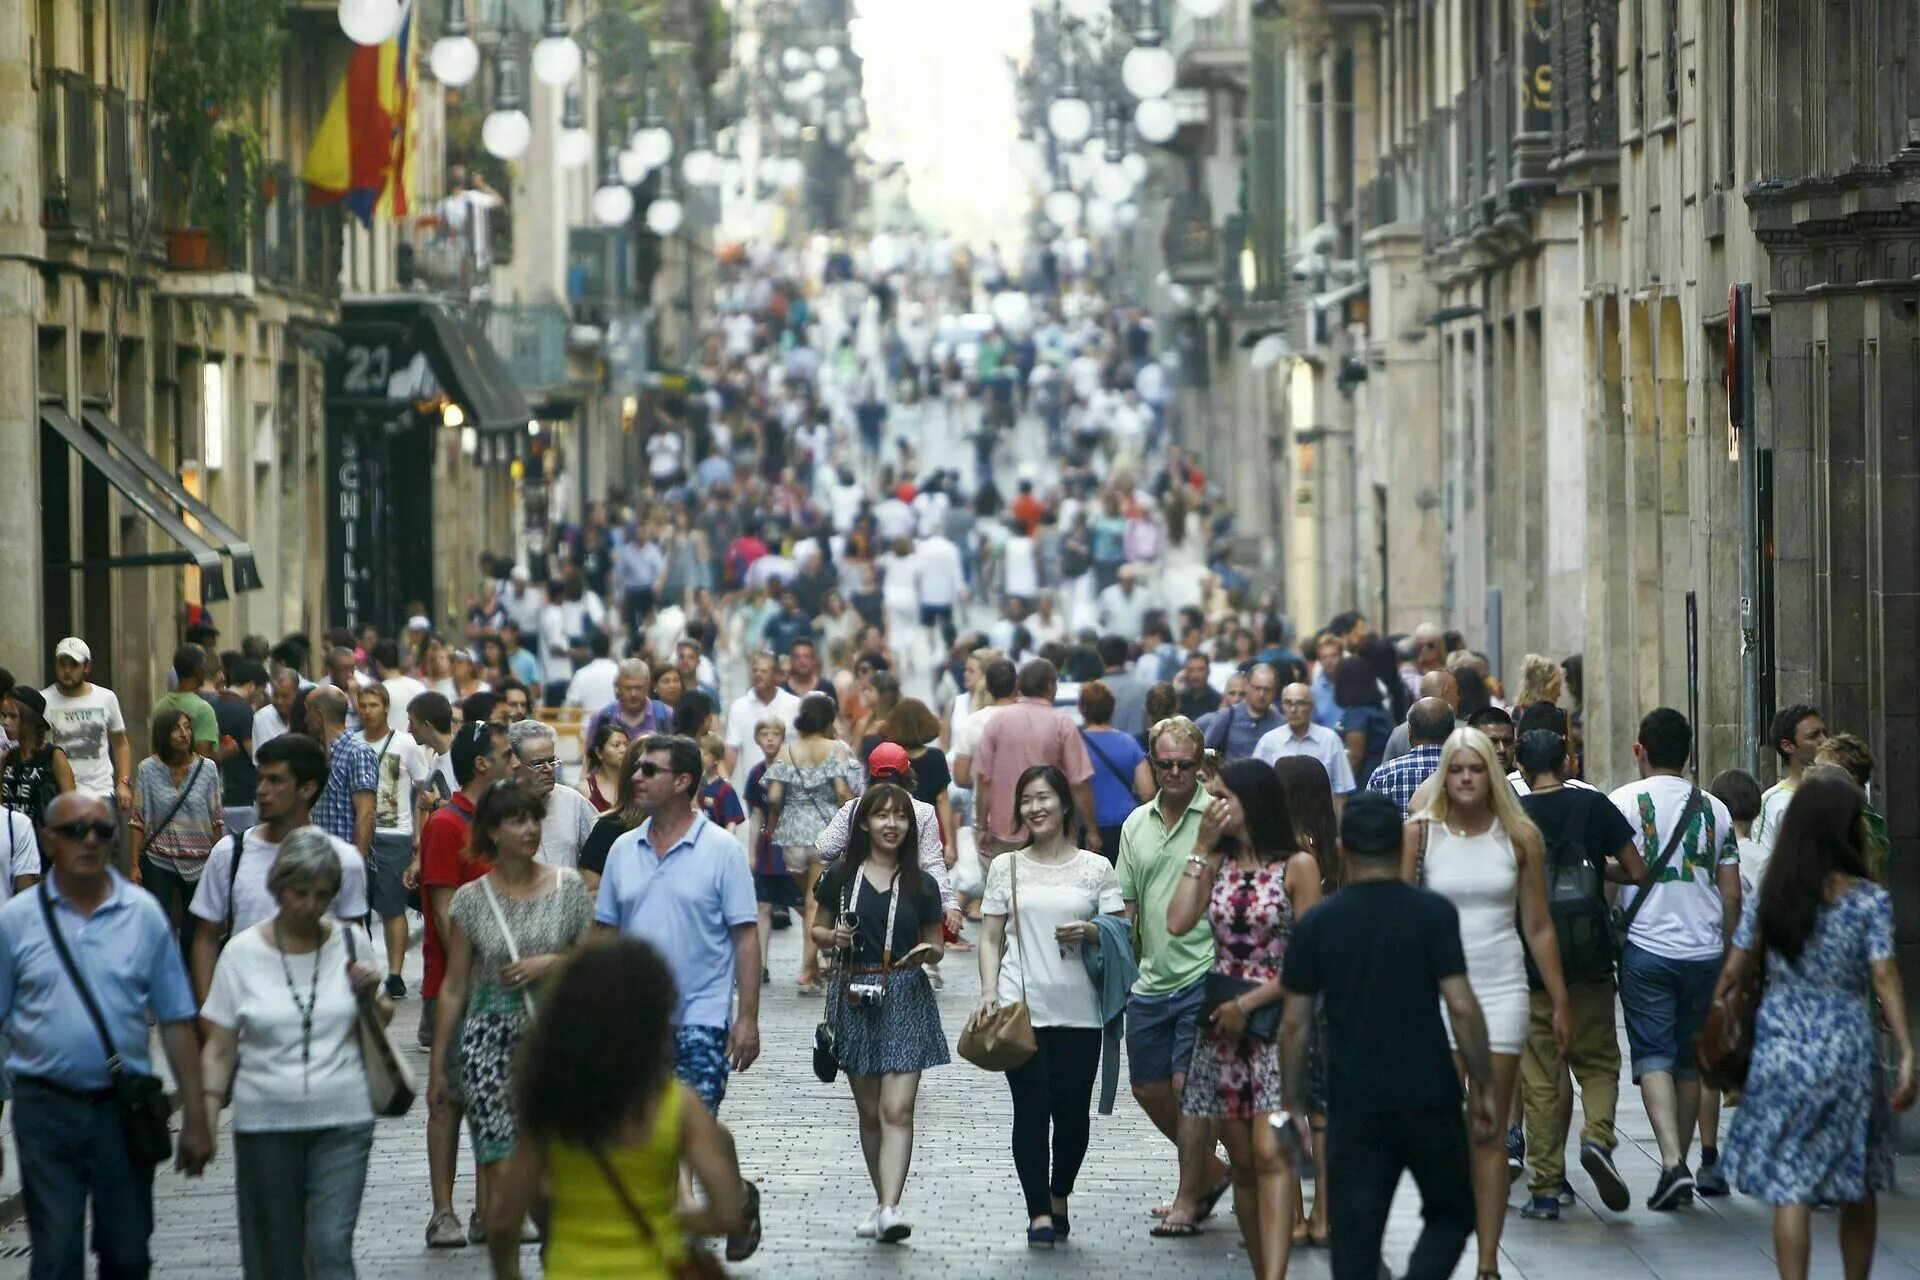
pixel 233 879
pixel 389 1084
pixel 1107 760
pixel 696 1260
pixel 1003 1039
pixel 1624 919
pixel 506 930
pixel 142 1098
pixel 1724 1048
pixel 1263 1024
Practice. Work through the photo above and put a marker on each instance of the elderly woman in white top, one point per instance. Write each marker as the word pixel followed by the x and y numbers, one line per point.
pixel 284 1001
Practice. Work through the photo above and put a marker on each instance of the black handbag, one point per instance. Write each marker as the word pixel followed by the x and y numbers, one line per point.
pixel 142 1098
pixel 1262 1023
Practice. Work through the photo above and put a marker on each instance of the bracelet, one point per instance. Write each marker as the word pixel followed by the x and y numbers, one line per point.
pixel 1242 1008
pixel 1195 860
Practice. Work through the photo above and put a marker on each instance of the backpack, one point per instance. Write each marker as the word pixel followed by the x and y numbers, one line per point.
pixel 1577 901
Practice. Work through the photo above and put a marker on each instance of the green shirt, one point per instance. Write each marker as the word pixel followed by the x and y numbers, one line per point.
pixel 206 726
pixel 1152 860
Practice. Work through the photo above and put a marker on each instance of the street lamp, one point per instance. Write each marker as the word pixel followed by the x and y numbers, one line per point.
pixel 700 166
pixel 666 213
pixel 653 144
pixel 1069 117
pixel 556 58
pixel 1156 121
pixel 576 144
pixel 613 199
pixel 455 58
pixel 370 21
pixel 506 132
pixel 1148 70
pixel 827 57
pixel 1062 205
pixel 1203 8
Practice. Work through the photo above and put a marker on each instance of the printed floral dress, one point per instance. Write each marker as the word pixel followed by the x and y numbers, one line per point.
pixel 1238 1077
pixel 1813 1123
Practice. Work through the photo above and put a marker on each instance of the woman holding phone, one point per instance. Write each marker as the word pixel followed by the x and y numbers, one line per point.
pixel 882 913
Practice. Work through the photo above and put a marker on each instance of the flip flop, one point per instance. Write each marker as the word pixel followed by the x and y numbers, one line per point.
pixel 1175 1231
pixel 1208 1200
pixel 744 1243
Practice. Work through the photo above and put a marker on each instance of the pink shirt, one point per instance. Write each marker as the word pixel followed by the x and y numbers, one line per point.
pixel 1027 732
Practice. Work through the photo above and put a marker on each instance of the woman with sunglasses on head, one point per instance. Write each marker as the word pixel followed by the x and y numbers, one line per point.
pixel 509 929
pixel 882 912
pixel 1250 879
pixel 1036 920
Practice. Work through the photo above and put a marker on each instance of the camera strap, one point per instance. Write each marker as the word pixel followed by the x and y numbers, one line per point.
pixel 893 906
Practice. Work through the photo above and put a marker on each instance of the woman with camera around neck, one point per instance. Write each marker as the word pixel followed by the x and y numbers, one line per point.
pixel 1250 879
pixel 881 914
pixel 1036 920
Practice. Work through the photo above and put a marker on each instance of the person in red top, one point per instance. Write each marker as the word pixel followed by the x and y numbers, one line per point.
pixel 1026 508
pixel 481 756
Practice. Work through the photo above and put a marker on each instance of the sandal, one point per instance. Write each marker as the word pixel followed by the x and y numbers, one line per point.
pixel 1209 1199
pixel 1175 1231
pixel 744 1243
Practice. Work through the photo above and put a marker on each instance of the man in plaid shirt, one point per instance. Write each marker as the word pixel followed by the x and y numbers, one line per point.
pixel 345 806
pixel 1429 721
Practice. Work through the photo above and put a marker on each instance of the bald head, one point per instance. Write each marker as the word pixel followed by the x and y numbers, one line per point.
pixel 1441 685
pixel 1429 721
pixel 330 705
pixel 1296 704
pixel 76 806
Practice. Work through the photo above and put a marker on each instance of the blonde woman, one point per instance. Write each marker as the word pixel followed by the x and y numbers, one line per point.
pixel 1541 680
pixel 1475 846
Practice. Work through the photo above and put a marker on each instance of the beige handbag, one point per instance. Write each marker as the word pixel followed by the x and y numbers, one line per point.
pixel 390 1085
pixel 1003 1039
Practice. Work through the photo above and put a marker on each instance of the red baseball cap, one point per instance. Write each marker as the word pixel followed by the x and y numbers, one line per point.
pixel 889 760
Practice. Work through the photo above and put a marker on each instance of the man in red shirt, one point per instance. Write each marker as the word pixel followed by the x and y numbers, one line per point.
pixel 480 757
pixel 1027 510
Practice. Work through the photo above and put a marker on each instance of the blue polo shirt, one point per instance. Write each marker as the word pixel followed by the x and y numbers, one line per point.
pixel 127 954
pixel 1234 733
pixel 686 902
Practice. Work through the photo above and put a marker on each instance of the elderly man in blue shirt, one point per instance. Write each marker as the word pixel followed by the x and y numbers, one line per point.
pixel 69 1127
pixel 1235 731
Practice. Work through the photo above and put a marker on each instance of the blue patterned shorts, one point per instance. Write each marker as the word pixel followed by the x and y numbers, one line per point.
pixel 700 1059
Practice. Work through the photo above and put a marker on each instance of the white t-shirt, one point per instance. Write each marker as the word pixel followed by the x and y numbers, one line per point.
pixel 747 711
pixel 939 572
pixel 592 685
pixel 252 902
pixel 892 521
pixel 966 733
pixel 267 725
pixel 570 818
pixel 403 766
pixel 80 727
pixel 401 691
pixel 665 452
pixel 1753 867
pixel 1057 990
pixel 1520 787
pixel 1682 918
pixel 23 851
pixel 1773 811
pixel 278 1087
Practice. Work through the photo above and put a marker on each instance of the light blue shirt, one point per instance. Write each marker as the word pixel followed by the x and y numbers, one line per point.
pixel 126 952
pixel 686 903
pixel 1326 708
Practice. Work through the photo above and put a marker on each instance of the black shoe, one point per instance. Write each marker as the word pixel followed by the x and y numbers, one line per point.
pixel 1674 1190
pixel 742 1244
pixel 782 918
pixel 396 986
pixel 1541 1209
pixel 1516 1153
pixel 1598 1162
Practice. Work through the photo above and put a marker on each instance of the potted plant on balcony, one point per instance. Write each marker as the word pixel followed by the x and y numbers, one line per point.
pixel 216 60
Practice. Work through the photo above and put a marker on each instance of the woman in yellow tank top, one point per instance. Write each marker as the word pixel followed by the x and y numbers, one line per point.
pixel 606 1128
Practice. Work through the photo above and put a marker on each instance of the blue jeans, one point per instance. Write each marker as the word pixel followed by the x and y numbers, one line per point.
pixel 72 1148
pixel 299 1194
pixel 1664 1003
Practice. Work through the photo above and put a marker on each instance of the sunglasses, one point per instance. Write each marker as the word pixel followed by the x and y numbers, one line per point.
pixel 648 769
pixel 81 830
pixel 1174 766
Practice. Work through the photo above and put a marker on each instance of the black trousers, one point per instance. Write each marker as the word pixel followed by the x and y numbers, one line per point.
pixel 1053 1087
pixel 1366 1153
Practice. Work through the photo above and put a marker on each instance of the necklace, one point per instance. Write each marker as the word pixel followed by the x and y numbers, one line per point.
pixel 313 998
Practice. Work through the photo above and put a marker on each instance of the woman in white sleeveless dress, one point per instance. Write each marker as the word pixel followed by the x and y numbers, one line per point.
pixel 1483 854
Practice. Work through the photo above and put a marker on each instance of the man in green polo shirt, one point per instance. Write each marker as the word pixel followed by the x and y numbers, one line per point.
pixel 190 675
pixel 1164 1011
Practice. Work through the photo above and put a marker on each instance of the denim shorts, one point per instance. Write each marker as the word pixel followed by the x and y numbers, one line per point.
pixel 386 878
pixel 1665 1004
pixel 1160 1033
pixel 700 1060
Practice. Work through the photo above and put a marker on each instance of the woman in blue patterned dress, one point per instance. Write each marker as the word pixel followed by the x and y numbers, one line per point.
pixel 1813 1124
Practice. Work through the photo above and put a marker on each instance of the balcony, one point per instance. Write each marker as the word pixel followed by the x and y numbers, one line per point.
pixel 532 341
pixel 601 275
pixel 1586 102
pixel 436 259
pixel 1211 49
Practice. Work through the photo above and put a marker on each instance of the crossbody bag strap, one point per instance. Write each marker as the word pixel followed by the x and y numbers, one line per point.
pixel 1106 760
pixel 233 879
pixel 186 789
pixel 73 971
pixel 627 1202
pixel 506 930
pixel 1659 864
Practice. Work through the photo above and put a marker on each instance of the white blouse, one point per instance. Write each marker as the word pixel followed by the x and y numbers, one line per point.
pixel 1057 990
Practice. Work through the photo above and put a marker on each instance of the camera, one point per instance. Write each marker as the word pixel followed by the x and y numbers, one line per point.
pixel 866 994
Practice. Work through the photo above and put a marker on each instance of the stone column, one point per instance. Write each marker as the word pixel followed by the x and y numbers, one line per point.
pixel 1407 423
pixel 21 241
pixel 1563 373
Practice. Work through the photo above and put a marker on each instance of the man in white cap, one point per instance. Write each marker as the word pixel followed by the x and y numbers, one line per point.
pixel 85 722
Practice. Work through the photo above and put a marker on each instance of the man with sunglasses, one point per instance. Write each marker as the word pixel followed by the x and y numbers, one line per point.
pixel 69 1127
pixel 1163 1013
pixel 570 815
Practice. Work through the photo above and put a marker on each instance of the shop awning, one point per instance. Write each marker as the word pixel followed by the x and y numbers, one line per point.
pixel 246 574
pixel 194 550
pixel 383 336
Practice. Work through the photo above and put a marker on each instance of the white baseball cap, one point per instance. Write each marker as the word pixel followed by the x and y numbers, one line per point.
pixel 73 647
pixel 418 622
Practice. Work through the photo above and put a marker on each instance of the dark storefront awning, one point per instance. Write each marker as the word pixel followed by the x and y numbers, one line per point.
pixel 381 337
pixel 121 475
pixel 246 574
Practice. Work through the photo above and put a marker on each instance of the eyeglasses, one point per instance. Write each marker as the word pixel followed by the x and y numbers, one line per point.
pixel 1296 702
pixel 1174 766
pixel 549 763
pixel 81 830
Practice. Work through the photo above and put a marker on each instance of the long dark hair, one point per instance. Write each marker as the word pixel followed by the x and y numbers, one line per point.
pixel 1056 782
pixel 1822 835
pixel 1269 823
pixel 602 1047
pixel 860 841
pixel 1377 652
pixel 1309 799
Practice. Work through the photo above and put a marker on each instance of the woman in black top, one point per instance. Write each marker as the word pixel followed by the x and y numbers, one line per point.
pixel 623 817
pixel 35 770
pixel 915 729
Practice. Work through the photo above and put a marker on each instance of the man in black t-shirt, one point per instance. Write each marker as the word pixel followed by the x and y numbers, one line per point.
pixel 1385 954
pixel 1588 842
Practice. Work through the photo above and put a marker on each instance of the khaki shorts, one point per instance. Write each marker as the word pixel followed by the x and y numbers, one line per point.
pixel 799 856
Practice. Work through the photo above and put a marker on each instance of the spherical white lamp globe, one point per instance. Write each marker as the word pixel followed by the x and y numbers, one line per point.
pixel 1155 120
pixel 827 57
pixel 575 149
pixel 633 170
pixel 664 216
pixel 1062 207
pixel 1099 216
pixel 1069 120
pixel 556 60
pixel 369 21
pixel 792 59
pixel 700 168
pixel 1203 8
pixel 654 146
pixel 506 134
pixel 1127 214
pixel 455 61
pixel 792 172
pixel 1136 166
pixel 613 206
pixel 1112 183
pixel 1148 71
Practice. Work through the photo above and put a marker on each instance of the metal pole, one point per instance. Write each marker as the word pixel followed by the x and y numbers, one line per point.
pixel 1741 435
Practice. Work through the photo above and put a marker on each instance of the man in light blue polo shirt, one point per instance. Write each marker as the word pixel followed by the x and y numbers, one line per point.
pixel 683 884
pixel 68 1126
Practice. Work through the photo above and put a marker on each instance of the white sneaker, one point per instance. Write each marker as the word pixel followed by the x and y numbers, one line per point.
pixel 893 1226
pixel 869 1229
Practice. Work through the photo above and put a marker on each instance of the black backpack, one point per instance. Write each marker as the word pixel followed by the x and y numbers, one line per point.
pixel 1577 899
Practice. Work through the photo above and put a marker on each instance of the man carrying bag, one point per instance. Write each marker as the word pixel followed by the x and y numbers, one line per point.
pixel 84 960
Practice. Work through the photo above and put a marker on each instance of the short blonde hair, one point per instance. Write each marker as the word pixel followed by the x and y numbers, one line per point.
pixel 1180 727
pixel 775 723
pixel 712 747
